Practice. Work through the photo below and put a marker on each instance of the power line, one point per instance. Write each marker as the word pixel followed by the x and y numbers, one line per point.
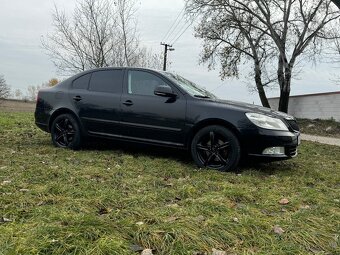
pixel 168 47
pixel 178 31
pixel 174 24
pixel 218 87
pixel 180 35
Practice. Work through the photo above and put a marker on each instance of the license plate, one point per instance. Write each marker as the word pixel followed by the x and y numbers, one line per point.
pixel 299 139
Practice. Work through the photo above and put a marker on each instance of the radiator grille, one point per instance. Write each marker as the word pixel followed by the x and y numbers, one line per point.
pixel 293 124
pixel 291 151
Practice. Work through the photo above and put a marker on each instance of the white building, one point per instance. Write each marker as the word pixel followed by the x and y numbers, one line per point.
pixel 313 106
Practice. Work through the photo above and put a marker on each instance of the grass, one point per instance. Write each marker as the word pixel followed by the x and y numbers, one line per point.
pixel 330 128
pixel 104 199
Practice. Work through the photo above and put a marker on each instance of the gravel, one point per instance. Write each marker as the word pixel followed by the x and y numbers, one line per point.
pixel 320 139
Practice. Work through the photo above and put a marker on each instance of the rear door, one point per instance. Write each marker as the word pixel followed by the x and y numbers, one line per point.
pixel 148 117
pixel 97 98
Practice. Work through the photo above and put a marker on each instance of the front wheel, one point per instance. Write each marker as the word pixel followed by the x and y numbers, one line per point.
pixel 65 132
pixel 217 148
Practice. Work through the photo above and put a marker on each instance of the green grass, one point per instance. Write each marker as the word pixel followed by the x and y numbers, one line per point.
pixel 89 201
pixel 320 127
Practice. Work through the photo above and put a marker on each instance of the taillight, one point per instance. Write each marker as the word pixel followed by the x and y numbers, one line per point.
pixel 37 97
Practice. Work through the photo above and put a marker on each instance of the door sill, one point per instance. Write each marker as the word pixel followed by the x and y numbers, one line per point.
pixel 136 139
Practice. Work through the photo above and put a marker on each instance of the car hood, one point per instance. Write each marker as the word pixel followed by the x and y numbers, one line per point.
pixel 253 108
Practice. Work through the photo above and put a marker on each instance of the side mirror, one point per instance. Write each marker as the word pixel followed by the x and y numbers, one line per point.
pixel 164 91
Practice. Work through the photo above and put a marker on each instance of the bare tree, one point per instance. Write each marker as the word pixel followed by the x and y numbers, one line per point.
pixel 231 38
pixel 100 33
pixel 147 58
pixel 263 31
pixel 18 94
pixel 32 92
pixel 128 27
pixel 5 90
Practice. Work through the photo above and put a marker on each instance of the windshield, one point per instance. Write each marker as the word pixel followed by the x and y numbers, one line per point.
pixel 190 87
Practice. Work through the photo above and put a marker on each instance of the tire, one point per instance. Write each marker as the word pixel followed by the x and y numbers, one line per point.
pixel 217 148
pixel 65 132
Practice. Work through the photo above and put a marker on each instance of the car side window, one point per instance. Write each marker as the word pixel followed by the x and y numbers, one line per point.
pixel 143 83
pixel 109 81
pixel 82 82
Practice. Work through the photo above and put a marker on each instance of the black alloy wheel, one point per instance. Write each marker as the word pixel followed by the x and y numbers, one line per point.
pixel 217 148
pixel 65 132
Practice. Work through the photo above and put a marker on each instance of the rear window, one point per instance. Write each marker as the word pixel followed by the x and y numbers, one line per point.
pixel 82 82
pixel 110 81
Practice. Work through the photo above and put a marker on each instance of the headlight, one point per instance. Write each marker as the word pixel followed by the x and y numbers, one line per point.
pixel 266 122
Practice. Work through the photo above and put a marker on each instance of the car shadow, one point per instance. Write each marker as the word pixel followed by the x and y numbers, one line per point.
pixel 267 168
pixel 138 149
pixel 182 156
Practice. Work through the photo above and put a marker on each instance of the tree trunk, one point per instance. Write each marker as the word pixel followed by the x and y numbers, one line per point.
pixel 284 76
pixel 259 86
pixel 285 91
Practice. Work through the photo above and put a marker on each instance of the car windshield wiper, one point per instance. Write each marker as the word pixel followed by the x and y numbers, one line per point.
pixel 201 96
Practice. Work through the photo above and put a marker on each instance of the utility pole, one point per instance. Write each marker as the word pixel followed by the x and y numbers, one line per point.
pixel 167 47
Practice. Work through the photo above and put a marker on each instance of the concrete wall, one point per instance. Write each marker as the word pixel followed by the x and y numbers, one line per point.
pixel 318 106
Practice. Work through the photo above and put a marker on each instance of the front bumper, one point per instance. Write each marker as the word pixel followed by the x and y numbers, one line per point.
pixel 259 140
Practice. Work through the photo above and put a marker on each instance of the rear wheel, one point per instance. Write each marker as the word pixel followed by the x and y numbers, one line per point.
pixel 217 148
pixel 65 132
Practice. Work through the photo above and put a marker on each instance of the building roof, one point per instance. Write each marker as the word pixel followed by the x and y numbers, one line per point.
pixel 312 95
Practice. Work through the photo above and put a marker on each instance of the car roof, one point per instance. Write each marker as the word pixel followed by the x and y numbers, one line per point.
pixel 115 68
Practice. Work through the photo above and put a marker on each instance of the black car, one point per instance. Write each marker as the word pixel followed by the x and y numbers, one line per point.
pixel 161 108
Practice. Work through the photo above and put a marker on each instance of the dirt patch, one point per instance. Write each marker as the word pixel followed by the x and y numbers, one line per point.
pixel 330 128
pixel 16 106
pixel 320 139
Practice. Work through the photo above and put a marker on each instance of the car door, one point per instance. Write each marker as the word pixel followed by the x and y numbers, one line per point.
pixel 97 97
pixel 148 117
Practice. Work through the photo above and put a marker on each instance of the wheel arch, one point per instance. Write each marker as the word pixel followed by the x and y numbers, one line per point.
pixel 60 111
pixel 211 122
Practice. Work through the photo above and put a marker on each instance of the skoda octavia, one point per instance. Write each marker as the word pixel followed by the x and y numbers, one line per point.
pixel 165 109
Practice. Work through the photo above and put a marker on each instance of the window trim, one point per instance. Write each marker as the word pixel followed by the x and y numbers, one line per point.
pixel 108 70
pixel 126 89
pixel 88 83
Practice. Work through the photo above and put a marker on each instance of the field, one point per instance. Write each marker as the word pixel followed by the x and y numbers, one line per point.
pixel 118 199
pixel 16 106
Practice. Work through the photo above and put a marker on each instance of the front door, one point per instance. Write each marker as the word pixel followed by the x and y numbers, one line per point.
pixel 147 117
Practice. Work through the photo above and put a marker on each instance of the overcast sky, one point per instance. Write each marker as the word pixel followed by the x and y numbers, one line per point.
pixel 23 61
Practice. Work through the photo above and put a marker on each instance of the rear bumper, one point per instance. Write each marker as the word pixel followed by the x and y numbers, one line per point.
pixel 255 144
pixel 42 126
pixel 41 119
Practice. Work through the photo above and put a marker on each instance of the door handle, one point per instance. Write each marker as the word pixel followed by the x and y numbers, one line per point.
pixel 128 103
pixel 77 98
